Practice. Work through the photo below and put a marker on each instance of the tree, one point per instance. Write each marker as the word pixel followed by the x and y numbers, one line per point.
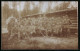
pixel 73 4
pixel 60 5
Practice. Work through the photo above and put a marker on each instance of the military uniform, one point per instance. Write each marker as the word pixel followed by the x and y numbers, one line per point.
pixel 11 26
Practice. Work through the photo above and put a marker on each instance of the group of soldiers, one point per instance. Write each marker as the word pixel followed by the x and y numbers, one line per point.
pixel 27 26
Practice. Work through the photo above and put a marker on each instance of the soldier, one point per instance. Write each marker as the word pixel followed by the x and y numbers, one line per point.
pixel 11 23
pixel 66 24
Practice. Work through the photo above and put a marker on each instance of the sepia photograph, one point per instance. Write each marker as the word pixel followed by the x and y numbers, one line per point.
pixel 39 25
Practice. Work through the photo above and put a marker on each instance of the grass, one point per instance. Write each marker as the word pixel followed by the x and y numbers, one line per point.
pixel 40 43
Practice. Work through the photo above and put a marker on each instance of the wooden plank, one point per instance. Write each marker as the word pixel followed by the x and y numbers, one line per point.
pixel 69 12
pixel 74 23
pixel 73 27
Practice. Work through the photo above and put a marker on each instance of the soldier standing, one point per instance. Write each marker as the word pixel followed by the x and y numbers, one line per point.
pixel 10 26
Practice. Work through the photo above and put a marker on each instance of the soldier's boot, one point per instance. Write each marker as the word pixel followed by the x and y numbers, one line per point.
pixel 19 36
pixel 47 35
pixel 51 34
pixel 11 36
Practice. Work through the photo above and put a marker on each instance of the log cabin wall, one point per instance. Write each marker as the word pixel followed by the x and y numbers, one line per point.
pixel 72 14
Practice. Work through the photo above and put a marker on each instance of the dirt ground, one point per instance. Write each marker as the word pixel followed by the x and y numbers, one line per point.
pixel 70 42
